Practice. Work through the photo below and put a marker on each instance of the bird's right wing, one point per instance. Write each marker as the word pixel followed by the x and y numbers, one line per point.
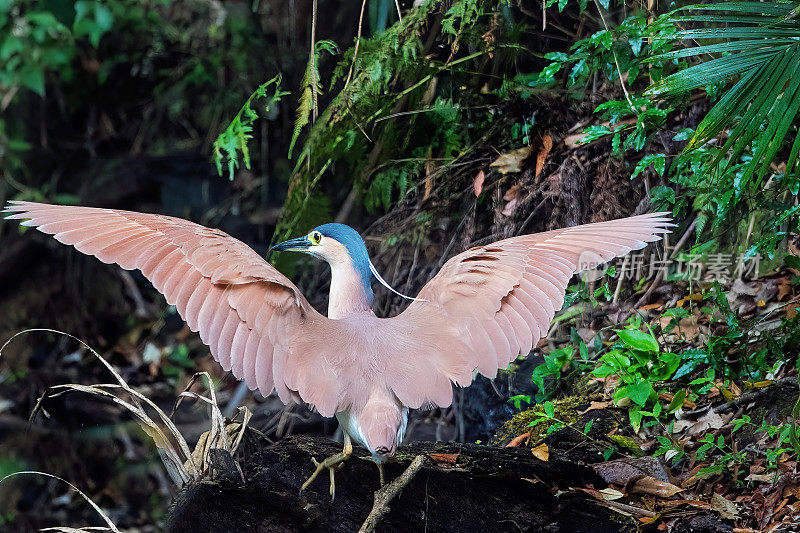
pixel 489 304
pixel 248 313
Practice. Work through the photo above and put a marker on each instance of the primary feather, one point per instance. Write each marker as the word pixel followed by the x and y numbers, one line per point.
pixel 485 307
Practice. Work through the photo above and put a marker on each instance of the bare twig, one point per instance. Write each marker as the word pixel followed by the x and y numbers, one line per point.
pixel 619 280
pixel 660 276
pixel 619 71
pixel 358 41
pixel 385 495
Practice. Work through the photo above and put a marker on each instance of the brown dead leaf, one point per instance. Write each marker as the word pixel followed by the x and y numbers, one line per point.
pixel 519 439
pixel 610 494
pixel 622 471
pixel 726 508
pixel 698 504
pixel 697 297
pixel 594 493
pixel 512 197
pixel 708 421
pixel 477 183
pixel 649 307
pixel 444 458
pixel 686 329
pixel 508 210
pixel 789 490
pixel 574 140
pixel 430 168
pixel 512 193
pixel 541 452
pixel 512 161
pixel 655 487
pixel 610 384
pixel 547 145
pixel 784 289
pixel 595 405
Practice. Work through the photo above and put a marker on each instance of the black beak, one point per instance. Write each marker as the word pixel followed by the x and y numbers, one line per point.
pixel 299 244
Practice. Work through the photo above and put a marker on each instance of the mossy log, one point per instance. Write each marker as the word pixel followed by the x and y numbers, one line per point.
pixel 461 487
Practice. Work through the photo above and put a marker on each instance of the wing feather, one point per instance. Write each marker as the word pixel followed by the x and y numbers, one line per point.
pixel 506 292
pixel 243 308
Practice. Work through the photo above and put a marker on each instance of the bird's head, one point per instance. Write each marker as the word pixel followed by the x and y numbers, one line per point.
pixel 335 243
pixel 342 247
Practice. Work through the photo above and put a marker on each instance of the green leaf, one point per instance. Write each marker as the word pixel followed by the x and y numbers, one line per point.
pixel 10 45
pixel 33 79
pixel 677 401
pixel 639 392
pixel 635 416
pixel 584 351
pixel 659 162
pixel 638 340
pixel 595 132
pixel 518 400
pixel 602 38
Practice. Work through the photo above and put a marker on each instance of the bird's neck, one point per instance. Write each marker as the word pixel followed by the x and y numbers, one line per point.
pixel 350 291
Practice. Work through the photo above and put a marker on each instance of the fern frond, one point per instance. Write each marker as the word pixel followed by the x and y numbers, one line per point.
pixel 310 89
pixel 236 136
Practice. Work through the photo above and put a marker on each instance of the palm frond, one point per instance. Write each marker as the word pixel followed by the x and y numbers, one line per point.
pixel 760 43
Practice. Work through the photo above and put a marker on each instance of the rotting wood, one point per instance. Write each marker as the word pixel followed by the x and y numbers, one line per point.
pixel 460 487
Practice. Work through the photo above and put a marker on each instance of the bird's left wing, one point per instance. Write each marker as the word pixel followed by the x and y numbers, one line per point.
pixel 491 303
pixel 248 313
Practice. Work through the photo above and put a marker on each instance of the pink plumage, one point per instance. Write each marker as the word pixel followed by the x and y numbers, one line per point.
pixel 484 307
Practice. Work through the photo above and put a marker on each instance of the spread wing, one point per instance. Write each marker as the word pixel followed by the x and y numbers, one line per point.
pixel 489 304
pixel 246 311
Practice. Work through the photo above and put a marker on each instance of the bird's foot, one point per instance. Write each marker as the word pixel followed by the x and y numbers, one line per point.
pixel 332 464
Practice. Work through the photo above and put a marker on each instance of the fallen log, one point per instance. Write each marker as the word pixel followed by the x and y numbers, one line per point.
pixel 459 487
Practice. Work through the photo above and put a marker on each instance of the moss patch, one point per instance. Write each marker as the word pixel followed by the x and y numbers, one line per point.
pixel 566 411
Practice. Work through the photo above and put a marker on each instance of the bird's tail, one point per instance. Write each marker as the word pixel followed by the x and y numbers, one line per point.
pixel 383 424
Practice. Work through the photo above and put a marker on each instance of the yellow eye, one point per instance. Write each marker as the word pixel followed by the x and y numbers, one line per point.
pixel 315 237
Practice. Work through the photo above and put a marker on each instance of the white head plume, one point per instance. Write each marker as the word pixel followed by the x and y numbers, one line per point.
pixel 385 284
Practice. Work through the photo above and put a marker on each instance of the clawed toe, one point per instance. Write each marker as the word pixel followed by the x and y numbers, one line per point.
pixel 332 464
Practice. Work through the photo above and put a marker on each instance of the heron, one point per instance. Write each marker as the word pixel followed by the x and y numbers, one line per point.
pixel 484 308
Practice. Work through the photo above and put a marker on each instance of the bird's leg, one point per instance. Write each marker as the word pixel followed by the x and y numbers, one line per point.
pixel 332 463
pixel 381 474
